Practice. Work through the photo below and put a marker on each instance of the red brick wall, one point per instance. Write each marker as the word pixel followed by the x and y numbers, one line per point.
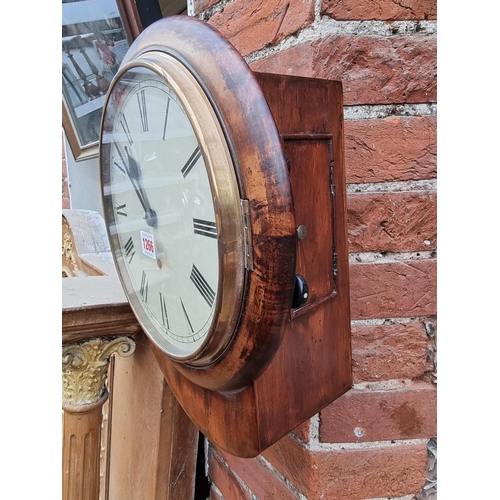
pixel 377 441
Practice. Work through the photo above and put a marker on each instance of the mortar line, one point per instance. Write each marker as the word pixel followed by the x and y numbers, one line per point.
pixel 392 186
pixel 325 447
pixel 371 111
pixel 392 321
pixel 326 26
pixel 276 472
pixel 390 257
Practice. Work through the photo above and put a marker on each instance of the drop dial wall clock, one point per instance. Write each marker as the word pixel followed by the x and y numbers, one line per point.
pixel 175 208
pixel 201 196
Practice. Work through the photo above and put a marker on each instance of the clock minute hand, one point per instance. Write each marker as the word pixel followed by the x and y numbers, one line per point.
pixel 125 169
pixel 134 173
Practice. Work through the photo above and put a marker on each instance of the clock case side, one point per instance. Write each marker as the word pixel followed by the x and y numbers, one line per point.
pixel 312 366
pixel 261 170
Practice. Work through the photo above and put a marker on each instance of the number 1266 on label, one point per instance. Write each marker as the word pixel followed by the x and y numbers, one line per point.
pixel 148 244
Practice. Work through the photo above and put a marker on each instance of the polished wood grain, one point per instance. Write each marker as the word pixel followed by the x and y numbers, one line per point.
pixel 130 19
pixel 313 365
pixel 283 365
pixel 153 444
pixel 81 447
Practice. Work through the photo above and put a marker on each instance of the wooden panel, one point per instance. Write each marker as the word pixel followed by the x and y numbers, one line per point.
pixel 229 419
pixel 153 443
pixel 310 175
pixel 178 447
pixel 312 366
pixel 81 443
pixel 95 306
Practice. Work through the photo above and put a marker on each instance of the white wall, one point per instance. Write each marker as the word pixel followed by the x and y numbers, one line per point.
pixel 84 182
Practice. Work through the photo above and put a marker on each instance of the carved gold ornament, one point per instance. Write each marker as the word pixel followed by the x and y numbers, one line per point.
pixel 85 368
pixel 68 253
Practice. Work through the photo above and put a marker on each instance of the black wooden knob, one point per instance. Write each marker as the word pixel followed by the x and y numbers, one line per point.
pixel 300 292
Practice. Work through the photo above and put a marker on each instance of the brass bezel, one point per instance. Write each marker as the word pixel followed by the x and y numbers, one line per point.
pixel 249 132
pixel 227 204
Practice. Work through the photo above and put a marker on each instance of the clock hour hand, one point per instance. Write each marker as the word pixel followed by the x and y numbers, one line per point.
pixel 133 171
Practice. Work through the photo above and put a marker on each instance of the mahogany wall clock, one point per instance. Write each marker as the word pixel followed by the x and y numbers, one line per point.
pixel 224 198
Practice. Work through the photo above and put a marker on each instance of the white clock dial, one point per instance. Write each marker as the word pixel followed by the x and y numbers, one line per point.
pixel 165 221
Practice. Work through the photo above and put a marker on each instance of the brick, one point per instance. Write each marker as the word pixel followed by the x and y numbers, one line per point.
pixel 64 168
pixel 261 481
pixel 406 412
pixel 383 10
pixel 252 25
pixel 393 289
pixel 386 352
pixel 65 188
pixel 373 69
pixel 351 474
pixel 303 431
pixel 225 480
pixel 391 149
pixel 65 195
pixel 392 222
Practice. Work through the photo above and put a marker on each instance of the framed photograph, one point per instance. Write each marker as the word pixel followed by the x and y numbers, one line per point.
pixel 96 34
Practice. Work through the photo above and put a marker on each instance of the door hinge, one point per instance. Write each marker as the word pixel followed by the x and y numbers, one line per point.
pixel 247 234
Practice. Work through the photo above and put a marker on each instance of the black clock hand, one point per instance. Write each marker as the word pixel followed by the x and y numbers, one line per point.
pixel 125 169
pixel 133 171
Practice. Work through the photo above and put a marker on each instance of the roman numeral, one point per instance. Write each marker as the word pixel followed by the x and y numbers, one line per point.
pixel 129 250
pixel 191 162
pixel 188 321
pixel 164 315
pixel 205 228
pixel 124 124
pixel 144 286
pixel 141 101
pixel 202 286
pixel 121 210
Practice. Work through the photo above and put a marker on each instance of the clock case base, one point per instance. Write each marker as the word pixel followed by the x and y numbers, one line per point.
pixel 312 366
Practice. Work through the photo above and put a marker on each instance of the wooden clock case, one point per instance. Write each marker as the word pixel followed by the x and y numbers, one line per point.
pixel 283 364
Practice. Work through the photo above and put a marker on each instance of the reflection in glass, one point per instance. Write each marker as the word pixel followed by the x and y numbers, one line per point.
pixel 93 46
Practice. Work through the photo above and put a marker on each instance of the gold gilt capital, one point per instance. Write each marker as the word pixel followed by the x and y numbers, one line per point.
pixel 85 368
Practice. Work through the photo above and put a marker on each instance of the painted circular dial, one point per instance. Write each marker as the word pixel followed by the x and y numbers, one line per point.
pixel 163 220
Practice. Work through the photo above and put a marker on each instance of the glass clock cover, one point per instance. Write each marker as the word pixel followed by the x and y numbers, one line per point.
pixel 198 205
pixel 159 196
